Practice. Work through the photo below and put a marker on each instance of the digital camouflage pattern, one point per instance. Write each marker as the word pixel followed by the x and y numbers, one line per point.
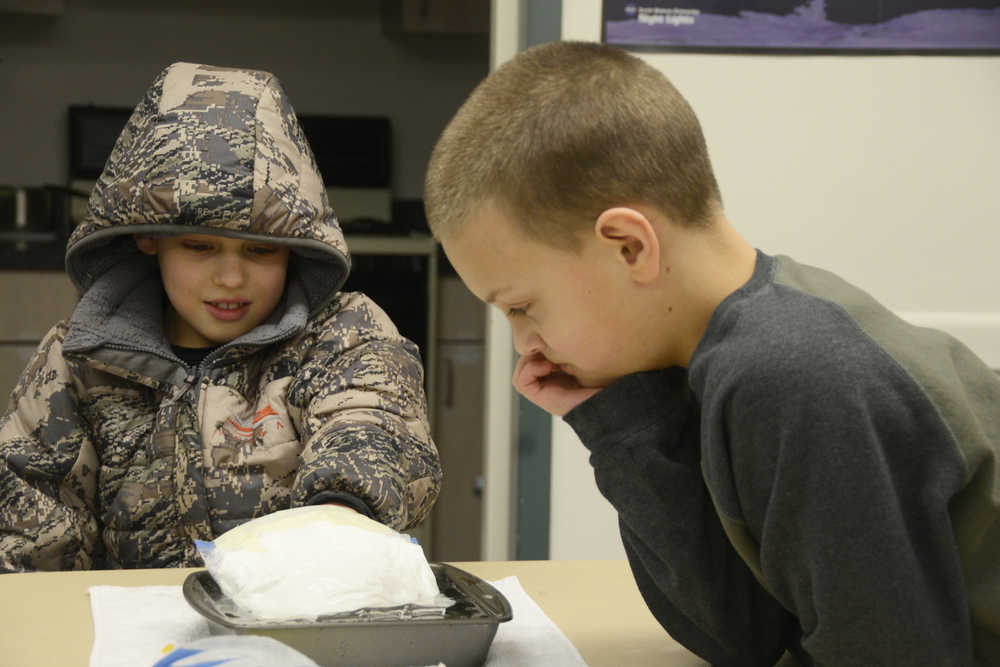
pixel 114 452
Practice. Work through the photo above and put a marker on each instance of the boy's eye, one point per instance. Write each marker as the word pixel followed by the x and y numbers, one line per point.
pixel 196 246
pixel 517 311
pixel 262 250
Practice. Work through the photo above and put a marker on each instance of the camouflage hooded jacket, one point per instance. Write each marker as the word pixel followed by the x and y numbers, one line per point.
pixel 114 452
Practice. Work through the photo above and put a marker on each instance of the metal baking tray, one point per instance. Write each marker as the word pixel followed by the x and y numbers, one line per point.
pixel 382 637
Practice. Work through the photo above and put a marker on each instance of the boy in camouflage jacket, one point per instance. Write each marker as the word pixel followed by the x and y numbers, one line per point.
pixel 212 371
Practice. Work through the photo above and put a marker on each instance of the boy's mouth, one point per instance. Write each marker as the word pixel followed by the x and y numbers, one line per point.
pixel 228 310
pixel 562 368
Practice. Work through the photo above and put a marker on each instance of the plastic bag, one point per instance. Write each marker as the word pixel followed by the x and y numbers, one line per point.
pixel 313 561
pixel 235 651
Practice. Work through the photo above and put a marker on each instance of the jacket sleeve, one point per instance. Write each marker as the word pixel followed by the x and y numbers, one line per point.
pixel 364 419
pixel 643 434
pixel 48 470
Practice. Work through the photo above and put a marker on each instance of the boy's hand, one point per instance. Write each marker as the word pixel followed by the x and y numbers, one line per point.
pixel 541 382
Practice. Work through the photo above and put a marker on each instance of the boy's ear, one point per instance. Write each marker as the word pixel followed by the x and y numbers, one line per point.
pixel 145 244
pixel 633 238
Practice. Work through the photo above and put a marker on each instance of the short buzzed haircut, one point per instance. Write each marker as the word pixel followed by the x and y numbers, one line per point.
pixel 564 131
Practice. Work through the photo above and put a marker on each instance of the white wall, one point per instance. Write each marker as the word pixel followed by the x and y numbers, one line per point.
pixel 331 57
pixel 582 524
pixel 499 515
pixel 883 169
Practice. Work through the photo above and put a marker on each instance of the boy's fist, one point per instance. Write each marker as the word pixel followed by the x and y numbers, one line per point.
pixel 544 384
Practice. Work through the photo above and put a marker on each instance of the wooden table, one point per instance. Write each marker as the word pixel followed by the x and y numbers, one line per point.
pixel 45 616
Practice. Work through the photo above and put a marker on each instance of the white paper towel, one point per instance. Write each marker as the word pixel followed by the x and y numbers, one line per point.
pixel 133 626
pixel 530 637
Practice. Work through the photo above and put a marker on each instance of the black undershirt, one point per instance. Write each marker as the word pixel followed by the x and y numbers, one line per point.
pixel 192 355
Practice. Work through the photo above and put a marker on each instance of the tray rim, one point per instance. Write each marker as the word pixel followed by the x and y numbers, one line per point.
pixel 457 575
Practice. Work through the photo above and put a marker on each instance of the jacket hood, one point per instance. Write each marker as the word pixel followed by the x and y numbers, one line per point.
pixel 212 150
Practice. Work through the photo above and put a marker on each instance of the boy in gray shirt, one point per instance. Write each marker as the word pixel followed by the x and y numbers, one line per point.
pixel 798 473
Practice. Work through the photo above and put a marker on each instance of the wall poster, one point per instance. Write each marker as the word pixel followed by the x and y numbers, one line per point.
pixel 913 26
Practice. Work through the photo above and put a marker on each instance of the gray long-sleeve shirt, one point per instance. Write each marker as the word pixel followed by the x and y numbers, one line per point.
pixel 823 479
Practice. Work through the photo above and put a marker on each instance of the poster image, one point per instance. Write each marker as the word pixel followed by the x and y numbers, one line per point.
pixel 805 25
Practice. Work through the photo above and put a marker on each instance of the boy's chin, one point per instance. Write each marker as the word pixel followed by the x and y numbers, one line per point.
pixel 585 381
pixel 572 377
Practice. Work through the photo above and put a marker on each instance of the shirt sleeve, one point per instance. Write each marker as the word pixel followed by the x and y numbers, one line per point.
pixel 364 420
pixel 48 471
pixel 842 474
pixel 643 434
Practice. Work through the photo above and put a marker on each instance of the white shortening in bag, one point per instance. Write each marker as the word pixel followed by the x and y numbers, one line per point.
pixel 312 561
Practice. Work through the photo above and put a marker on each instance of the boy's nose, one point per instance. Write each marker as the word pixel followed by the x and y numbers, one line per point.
pixel 229 272
pixel 527 342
